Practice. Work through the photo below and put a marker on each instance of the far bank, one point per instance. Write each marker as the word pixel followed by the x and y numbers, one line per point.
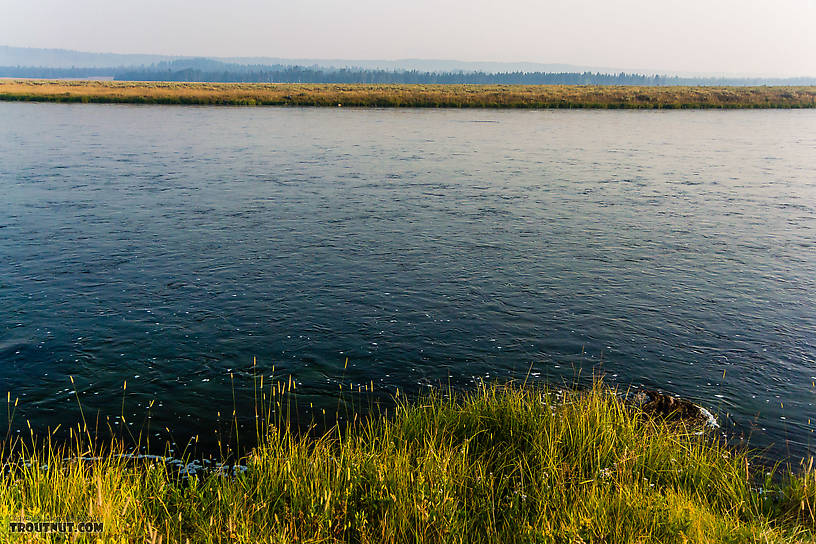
pixel 414 96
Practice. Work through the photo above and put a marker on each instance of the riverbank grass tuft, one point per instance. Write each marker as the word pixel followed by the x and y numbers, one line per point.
pixel 498 464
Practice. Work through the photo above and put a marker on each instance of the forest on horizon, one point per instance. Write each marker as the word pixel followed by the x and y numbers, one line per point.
pixel 208 70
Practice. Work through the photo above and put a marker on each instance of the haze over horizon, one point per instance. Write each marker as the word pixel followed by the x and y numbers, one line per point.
pixel 747 37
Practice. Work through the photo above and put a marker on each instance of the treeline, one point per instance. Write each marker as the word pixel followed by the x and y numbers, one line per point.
pixel 207 70
pixel 301 74
pixel 216 71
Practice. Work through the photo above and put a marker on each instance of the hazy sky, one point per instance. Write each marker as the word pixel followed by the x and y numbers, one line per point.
pixel 727 36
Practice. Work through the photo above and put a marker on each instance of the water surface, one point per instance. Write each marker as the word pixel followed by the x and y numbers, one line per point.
pixel 168 246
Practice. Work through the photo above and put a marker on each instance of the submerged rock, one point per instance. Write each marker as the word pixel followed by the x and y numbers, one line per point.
pixel 672 408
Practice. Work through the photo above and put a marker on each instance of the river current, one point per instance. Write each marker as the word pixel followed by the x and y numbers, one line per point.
pixel 168 246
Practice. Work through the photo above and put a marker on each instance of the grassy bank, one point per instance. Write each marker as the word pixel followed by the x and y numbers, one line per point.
pixel 501 464
pixel 433 96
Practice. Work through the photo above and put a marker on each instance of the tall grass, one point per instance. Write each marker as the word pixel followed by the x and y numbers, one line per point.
pixel 502 463
pixel 433 96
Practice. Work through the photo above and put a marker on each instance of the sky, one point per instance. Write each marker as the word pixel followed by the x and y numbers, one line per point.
pixel 735 37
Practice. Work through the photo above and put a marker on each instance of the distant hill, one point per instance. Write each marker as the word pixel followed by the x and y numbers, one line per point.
pixel 64 58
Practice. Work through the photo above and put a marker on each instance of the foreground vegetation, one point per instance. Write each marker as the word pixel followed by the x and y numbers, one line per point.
pixel 500 464
pixel 451 96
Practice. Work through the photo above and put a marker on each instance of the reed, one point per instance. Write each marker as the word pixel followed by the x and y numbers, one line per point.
pixel 420 96
pixel 501 463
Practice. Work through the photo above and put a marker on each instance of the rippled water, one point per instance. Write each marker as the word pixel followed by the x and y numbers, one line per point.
pixel 168 246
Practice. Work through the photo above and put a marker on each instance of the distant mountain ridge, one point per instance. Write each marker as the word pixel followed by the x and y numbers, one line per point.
pixel 65 58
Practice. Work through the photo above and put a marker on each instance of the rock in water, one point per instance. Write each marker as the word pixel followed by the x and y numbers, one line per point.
pixel 673 408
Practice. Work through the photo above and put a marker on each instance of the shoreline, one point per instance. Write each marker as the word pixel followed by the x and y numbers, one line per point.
pixel 501 463
pixel 412 96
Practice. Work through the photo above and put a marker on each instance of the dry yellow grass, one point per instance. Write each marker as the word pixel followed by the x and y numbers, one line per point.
pixel 454 96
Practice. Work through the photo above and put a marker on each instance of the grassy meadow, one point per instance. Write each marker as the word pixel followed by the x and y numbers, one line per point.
pixel 431 96
pixel 501 463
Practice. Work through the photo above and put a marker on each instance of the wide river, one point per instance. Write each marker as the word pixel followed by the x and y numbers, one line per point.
pixel 167 246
